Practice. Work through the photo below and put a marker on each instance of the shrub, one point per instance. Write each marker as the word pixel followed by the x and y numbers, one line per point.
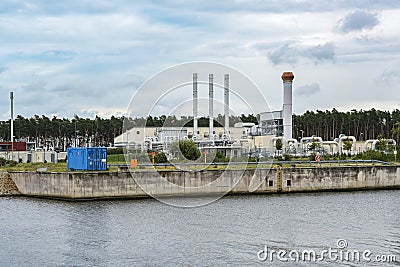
pixel 375 155
pixel 252 159
pixel 287 157
pixel 220 157
pixel 186 149
pixel 160 157
pixel 312 157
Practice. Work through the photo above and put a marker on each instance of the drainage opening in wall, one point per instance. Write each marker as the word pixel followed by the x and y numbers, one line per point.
pixel 270 183
pixel 288 182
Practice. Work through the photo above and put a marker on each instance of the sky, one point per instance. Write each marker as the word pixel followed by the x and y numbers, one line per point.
pixel 90 57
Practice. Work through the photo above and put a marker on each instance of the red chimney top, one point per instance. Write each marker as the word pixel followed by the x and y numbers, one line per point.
pixel 287 76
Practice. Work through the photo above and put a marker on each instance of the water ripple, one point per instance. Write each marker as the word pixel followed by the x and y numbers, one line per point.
pixel 228 232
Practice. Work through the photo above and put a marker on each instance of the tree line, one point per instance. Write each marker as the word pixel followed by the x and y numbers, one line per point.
pixel 363 124
pixel 60 133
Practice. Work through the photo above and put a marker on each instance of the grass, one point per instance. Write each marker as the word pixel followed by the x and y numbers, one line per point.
pixel 51 167
pixel 116 158
pixel 120 159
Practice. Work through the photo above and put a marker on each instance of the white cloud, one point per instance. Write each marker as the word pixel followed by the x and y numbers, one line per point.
pixel 2 69
pixel 357 21
pixel 81 56
pixel 291 51
pixel 389 77
pixel 307 90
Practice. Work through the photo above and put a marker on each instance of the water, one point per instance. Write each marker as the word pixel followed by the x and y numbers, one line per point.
pixel 229 232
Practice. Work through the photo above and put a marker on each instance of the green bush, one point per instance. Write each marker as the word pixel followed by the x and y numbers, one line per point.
pixel 287 157
pixel 160 157
pixel 5 162
pixel 252 159
pixel 11 163
pixel 374 154
pixel 185 149
pixel 312 157
pixel 220 157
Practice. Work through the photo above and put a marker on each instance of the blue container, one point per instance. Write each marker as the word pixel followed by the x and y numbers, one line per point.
pixel 87 158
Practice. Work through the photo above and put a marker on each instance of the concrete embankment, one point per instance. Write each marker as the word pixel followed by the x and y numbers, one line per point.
pixel 97 185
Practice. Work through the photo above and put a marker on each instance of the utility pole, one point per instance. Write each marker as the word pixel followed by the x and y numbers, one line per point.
pixel 12 123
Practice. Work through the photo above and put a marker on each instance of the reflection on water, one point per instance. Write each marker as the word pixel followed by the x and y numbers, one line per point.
pixel 228 232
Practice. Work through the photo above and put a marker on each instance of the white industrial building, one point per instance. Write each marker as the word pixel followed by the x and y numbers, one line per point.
pixel 243 138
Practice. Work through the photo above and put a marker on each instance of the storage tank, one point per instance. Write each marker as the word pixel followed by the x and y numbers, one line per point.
pixel 87 158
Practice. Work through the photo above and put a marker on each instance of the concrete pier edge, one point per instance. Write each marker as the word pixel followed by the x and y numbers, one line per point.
pixel 83 186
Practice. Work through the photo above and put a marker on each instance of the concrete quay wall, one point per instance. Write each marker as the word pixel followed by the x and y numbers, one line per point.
pixel 97 185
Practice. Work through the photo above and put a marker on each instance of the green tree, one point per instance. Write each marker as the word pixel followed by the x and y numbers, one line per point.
pixel 381 144
pixel 278 144
pixel 185 149
pixel 396 129
pixel 347 145
pixel 314 146
pixel 220 157
pixel 160 157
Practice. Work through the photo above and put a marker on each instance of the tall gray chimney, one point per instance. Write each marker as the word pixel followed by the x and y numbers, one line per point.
pixel 211 105
pixel 226 104
pixel 195 105
pixel 12 123
pixel 287 78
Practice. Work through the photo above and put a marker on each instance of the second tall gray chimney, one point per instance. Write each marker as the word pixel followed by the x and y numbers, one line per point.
pixel 211 105
pixel 226 104
pixel 195 105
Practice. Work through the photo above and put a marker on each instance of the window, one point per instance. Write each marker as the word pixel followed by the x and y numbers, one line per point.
pixel 137 132
pixel 288 183
pixel 270 183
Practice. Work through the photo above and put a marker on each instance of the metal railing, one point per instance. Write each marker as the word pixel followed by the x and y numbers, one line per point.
pixel 292 163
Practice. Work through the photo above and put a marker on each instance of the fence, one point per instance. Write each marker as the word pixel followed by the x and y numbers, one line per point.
pixel 294 163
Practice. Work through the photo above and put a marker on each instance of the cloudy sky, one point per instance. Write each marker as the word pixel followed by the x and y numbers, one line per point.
pixel 89 57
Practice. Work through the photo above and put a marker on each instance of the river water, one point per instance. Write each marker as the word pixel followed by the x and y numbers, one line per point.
pixel 234 231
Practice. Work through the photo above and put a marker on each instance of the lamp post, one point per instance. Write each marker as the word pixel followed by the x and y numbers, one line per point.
pixel 12 123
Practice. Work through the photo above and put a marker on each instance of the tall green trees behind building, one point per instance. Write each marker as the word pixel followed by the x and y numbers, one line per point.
pixel 363 124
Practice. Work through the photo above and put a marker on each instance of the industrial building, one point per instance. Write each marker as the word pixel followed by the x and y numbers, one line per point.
pixel 25 152
pixel 243 138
